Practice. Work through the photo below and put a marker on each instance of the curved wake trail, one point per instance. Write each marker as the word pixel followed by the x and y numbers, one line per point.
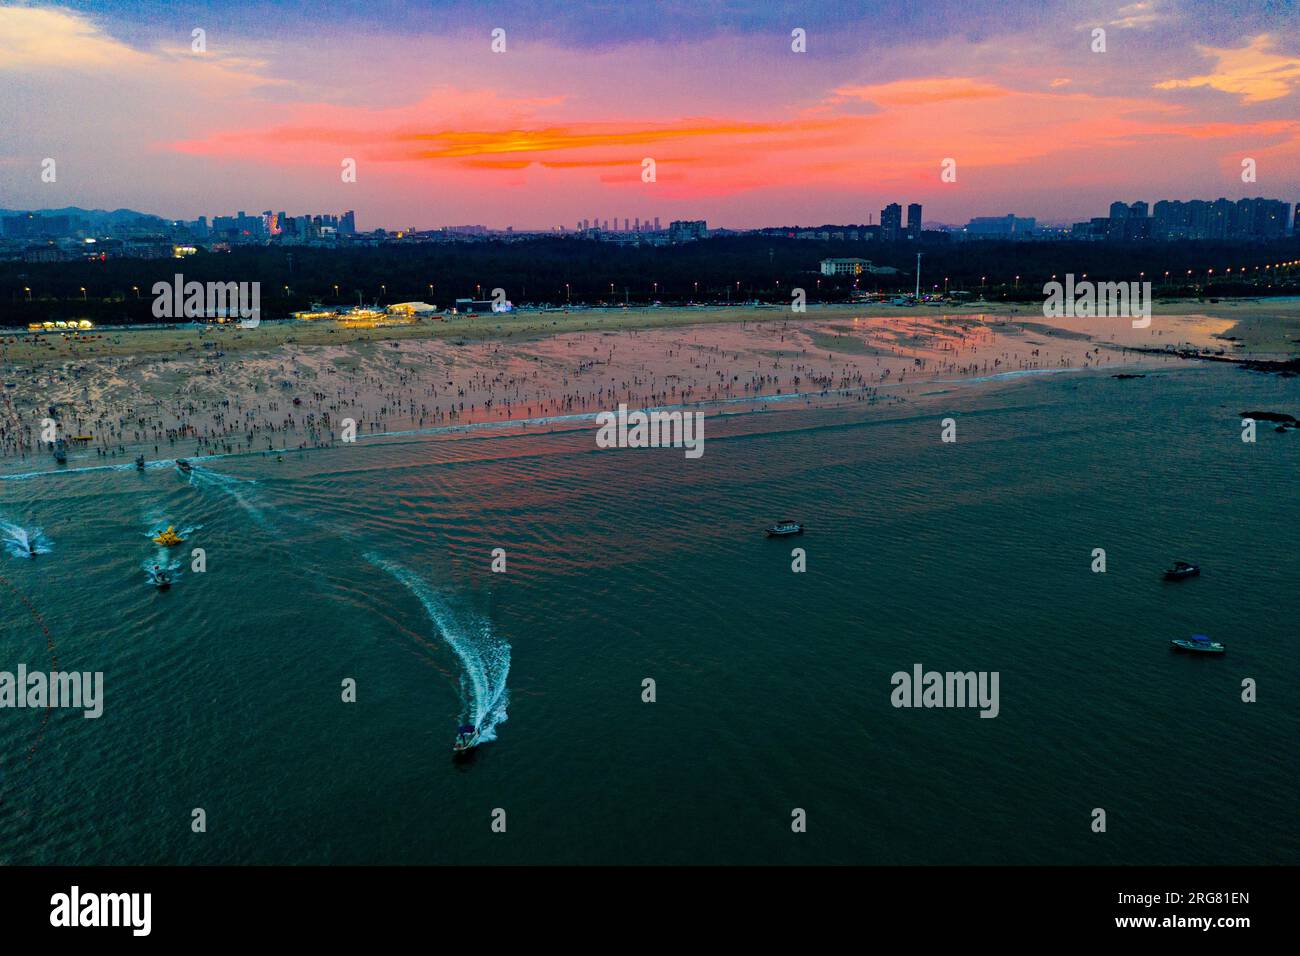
pixel 484 657
pixel 232 486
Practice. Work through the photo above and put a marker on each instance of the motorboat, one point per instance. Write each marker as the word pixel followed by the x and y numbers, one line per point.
pixel 1199 644
pixel 783 529
pixel 168 538
pixel 1181 570
pixel 467 737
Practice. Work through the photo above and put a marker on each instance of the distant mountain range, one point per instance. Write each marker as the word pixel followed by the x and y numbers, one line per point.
pixel 93 217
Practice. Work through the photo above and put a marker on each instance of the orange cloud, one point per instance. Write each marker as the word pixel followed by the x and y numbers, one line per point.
pixel 1252 72
pixel 984 126
pixel 452 143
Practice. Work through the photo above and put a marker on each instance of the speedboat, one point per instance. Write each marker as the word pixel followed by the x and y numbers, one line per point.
pixel 168 538
pixel 1199 644
pixel 139 462
pixel 466 739
pixel 1180 570
pixel 184 465
pixel 784 528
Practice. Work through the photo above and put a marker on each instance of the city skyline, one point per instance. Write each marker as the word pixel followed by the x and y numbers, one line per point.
pixel 890 222
pixel 745 133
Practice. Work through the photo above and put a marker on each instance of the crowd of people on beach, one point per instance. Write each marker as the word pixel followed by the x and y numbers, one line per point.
pixel 248 402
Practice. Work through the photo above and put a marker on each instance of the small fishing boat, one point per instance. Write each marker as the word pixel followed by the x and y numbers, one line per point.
pixel 1181 570
pixel 139 462
pixel 184 466
pixel 1199 644
pixel 168 538
pixel 466 739
pixel 783 529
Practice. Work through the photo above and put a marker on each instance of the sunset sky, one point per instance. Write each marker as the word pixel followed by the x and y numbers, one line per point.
pixel 744 132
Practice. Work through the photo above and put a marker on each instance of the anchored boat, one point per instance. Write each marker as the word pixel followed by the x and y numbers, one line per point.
pixel 784 528
pixel 1181 570
pixel 1199 644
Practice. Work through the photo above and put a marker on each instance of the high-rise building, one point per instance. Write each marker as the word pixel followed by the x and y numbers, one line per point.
pixel 657 224
pixel 914 220
pixel 1118 221
pixel 891 221
pixel 348 226
pixel 685 230
pixel 1245 219
pixel 1295 223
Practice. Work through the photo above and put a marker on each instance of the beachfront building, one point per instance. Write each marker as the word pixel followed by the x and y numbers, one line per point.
pixel 317 311
pixel 480 307
pixel 412 310
pixel 845 267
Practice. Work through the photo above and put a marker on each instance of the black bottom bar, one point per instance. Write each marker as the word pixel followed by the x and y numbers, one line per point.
pixel 331 905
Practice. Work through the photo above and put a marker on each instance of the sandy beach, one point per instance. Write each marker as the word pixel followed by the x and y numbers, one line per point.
pixel 288 385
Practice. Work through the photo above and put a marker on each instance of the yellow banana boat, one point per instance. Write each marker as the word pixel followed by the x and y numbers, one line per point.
pixel 168 537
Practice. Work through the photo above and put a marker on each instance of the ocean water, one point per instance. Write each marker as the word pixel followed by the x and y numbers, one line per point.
pixel 373 563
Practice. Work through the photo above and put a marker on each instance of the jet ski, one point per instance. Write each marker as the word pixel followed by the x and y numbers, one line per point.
pixel 162 580
pixel 139 462
pixel 168 538
pixel 466 739
pixel 184 466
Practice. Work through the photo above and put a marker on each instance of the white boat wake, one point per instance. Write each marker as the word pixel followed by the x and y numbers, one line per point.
pixel 22 542
pixel 484 657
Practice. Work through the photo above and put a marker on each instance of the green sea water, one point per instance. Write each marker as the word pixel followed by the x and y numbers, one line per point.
pixel 373 562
